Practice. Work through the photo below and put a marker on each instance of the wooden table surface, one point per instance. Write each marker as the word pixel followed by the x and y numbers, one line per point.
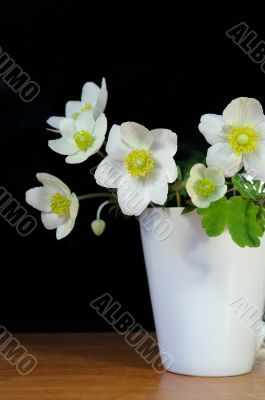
pixel 102 366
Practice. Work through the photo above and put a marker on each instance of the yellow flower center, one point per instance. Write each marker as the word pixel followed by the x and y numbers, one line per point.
pixel 60 205
pixel 205 187
pixel 243 139
pixel 86 107
pixel 83 140
pixel 139 163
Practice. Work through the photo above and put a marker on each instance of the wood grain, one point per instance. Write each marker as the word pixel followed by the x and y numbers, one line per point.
pixel 102 366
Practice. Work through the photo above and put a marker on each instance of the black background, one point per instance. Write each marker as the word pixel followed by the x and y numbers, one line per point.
pixel 164 67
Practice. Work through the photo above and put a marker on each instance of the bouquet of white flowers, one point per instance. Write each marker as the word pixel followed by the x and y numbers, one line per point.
pixel 139 169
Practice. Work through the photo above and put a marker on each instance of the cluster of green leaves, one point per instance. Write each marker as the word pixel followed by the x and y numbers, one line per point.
pixel 242 213
pixel 241 217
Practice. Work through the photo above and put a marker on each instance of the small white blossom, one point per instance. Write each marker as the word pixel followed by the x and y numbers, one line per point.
pixel 81 138
pixel 205 185
pixel 58 206
pixel 92 98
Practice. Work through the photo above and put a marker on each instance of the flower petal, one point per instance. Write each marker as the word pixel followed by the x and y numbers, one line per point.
pixel 62 146
pixel 165 162
pixel 67 227
pixel 135 194
pixel 164 140
pixel 197 171
pixel 51 181
pixel 97 144
pixel 158 187
pixel 212 128
pixel 244 111
pixel 115 148
pixel 90 93
pixel 54 121
pixel 260 129
pixel 103 83
pixel 101 103
pixel 74 206
pixel 215 174
pixel 109 173
pixel 131 200
pixel 254 163
pixel 64 229
pixel 85 122
pixel 100 128
pixel 221 156
pixel 72 107
pixel 136 136
pixel 190 186
pixel 80 156
pixel 40 198
pixel 51 220
pixel 67 128
pixel 200 202
pixel 218 193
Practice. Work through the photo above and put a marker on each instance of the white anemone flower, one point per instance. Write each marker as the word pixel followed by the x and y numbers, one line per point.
pixel 92 98
pixel 139 164
pixel 58 206
pixel 81 138
pixel 205 185
pixel 237 138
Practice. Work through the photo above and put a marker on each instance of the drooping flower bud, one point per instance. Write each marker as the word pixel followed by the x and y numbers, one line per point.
pixel 98 226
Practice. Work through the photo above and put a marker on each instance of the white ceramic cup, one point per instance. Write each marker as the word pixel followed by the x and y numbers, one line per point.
pixel 207 294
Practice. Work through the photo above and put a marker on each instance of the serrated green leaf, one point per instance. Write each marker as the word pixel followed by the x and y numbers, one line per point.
pixel 242 222
pixel 261 218
pixel 214 217
pixel 247 189
pixel 242 217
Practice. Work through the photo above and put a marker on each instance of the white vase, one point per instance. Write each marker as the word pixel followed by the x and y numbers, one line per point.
pixel 207 294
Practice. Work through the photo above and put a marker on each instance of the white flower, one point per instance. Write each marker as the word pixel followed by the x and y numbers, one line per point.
pixel 139 164
pixel 58 206
pixel 237 138
pixel 81 138
pixel 92 98
pixel 205 185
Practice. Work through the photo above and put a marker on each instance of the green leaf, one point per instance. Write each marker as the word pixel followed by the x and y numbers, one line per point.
pixel 188 209
pixel 247 189
pixel 242 222
pixel 243 218
pixel 114 199
pixel 261 218
pixel 179 173
pixel 214 217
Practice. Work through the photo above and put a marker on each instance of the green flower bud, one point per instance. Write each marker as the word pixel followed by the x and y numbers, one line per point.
pixel 98 226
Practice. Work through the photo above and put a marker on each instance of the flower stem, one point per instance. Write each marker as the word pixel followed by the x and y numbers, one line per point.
pixel 101 154
pixel 101 207
pixel 178 198
pixel 94 196
pixel 232 190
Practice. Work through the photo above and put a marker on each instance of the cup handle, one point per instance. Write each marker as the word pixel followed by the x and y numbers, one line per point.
pixel 261 336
